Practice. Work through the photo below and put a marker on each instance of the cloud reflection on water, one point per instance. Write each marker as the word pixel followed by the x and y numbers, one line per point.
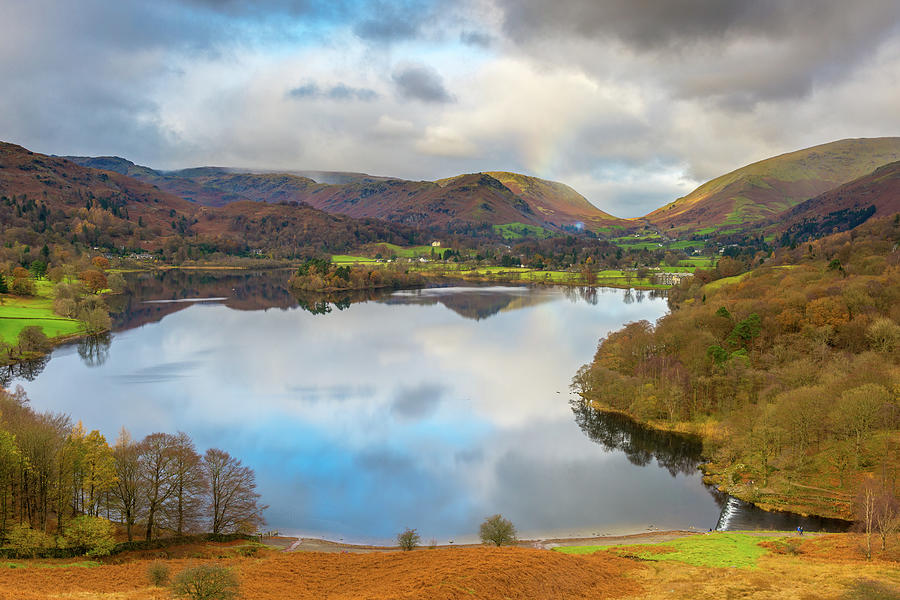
pixel 389 414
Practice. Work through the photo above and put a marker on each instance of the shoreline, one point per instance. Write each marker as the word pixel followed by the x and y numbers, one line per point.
pixel 313 544
pixel 425 273
pixel 715 474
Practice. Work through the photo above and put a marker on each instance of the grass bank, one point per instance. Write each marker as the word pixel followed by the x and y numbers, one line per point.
pixel 18 312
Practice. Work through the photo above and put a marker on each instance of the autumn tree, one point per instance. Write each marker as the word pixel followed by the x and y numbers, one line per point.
pixel 93 280
pixel 857 412
pixel 98 471
pixel 10 458
pixel 101 262
pixel 232 493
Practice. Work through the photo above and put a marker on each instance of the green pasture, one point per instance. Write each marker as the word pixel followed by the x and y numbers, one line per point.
pixel 17 313
pixel 412 251
pixel 517 231
pixel 344 259
pixel 717 549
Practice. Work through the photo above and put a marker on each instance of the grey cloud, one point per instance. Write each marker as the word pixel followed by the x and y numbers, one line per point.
pixel 417 402
pixel 419 82
pixel 386 29
pixel 307 90
pixel 339 92
pixel 647 25
pixel 735 52
pixel 345 92
pixel 476 38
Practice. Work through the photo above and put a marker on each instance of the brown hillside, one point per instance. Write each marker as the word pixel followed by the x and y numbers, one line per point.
pixel 461 203
pixel 880 189
pixel 49 198
pixel 99 205
pixel 555 201
pixel 763 189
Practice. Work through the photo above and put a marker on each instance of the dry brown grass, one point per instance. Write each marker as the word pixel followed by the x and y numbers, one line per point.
pixel 514 573
pixel 826 569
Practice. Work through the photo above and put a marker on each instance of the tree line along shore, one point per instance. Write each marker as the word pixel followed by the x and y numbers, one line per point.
pixel 787 367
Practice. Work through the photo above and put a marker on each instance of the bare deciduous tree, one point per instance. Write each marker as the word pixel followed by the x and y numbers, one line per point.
pixel 183 511
pixel 127 491
pixel 232 493
pixel 156 463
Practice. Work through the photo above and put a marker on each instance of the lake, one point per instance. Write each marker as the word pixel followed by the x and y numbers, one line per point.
pixel 366 414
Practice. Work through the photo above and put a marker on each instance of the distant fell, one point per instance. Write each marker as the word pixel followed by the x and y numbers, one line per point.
pixel 471 203
pixel 110 202
pixel 761 190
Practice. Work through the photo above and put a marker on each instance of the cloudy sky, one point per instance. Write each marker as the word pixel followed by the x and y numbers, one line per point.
pixel 633 103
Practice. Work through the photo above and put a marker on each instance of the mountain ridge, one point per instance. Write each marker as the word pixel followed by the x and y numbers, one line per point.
pixel 762 189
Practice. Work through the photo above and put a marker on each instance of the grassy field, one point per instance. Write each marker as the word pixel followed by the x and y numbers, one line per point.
pixel 356 260
pixel 411 252
pixel 726 550
pixel 718 283
pixel 16 313
pixel 703 262
pixel 517 231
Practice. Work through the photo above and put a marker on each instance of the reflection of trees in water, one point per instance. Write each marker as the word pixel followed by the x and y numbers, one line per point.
pixel 27 370
pixel 94 349
pixel 678 453
pixel 319 303
pixel 591 295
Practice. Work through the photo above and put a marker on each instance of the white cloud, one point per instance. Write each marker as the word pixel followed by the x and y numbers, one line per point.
pixel 393 128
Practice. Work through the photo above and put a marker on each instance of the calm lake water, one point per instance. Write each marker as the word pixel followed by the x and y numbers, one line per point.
pixel 361 416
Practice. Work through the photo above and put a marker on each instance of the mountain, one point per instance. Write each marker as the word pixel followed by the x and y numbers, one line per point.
pixel 763 189
pixel 468 203
pixel 49 198
pixel 844 207
pixel 51 195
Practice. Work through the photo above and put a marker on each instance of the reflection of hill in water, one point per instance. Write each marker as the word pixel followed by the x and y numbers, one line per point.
pixel 676 452
pixel 167 290
pixel 476 304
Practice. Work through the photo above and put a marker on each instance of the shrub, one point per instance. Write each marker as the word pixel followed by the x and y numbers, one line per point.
pixel 408 539
pixel 33 339
pixel 206 582
pixel 158 573
pixel 867 589
pixel 94 534
pixel 25 540
pixel 883 335
pixel 248 551
pixel 498 531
